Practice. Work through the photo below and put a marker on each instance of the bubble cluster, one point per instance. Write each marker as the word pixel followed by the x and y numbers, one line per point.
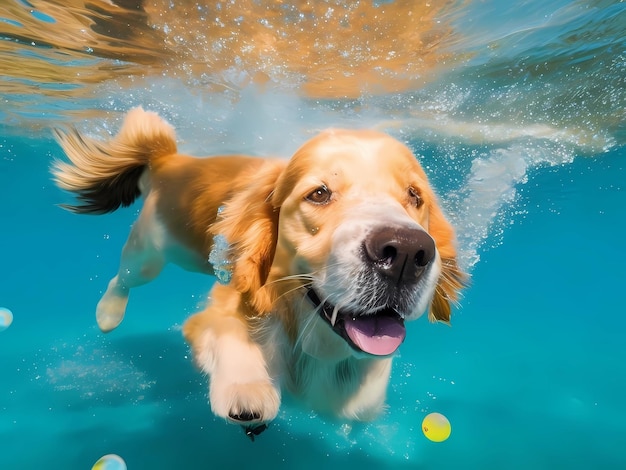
pixel 219 258
pixel 92 372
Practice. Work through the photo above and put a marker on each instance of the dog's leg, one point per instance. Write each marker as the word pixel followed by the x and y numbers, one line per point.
pixel 241 389
pixel 142 260
pixel 368 400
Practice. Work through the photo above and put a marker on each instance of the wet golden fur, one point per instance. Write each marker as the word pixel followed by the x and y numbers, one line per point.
pixel 259 333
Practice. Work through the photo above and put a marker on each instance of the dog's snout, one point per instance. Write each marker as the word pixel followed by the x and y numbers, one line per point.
pixel 400 253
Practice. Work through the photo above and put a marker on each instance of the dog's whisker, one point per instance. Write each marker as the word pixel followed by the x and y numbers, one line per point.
pixel 305 276
pixel 305 330
pixel 290 291
pixel 292 277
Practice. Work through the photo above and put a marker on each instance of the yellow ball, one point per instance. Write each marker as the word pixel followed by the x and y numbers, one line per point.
pixel 436 427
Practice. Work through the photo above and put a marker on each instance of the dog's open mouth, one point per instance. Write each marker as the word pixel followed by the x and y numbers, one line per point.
pixel 379 334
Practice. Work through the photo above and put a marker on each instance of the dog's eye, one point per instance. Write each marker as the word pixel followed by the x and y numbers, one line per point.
pixel 320 195
pixel 414 197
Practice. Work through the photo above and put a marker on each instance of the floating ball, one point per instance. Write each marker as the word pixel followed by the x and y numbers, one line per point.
pixel 6 318
pixel 110 462
pixel 436 427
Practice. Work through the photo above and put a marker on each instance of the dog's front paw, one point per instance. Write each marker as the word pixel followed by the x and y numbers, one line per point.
pixel 245 403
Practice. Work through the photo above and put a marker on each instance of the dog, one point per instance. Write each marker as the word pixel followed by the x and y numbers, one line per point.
pixel 321 258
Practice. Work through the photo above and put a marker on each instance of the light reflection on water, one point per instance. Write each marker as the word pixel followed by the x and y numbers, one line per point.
pixel 458 67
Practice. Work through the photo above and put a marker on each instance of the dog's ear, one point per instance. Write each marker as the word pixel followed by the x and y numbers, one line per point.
pixel 452 279
pixel 249 223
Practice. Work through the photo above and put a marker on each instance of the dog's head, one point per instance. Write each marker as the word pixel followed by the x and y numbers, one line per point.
pixel 351 226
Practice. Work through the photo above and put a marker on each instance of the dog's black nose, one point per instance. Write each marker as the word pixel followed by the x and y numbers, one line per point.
pixel 400 253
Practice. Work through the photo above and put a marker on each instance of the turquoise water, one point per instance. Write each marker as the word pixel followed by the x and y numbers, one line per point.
pixel 524 139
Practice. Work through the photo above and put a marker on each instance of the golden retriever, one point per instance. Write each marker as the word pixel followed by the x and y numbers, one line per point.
pixel 322 258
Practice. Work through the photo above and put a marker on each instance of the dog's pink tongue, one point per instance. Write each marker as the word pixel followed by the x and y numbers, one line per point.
pixel 379 336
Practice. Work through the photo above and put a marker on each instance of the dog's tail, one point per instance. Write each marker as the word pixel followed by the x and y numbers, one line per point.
pixel 106 175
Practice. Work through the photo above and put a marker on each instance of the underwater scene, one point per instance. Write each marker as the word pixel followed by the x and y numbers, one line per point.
pixel 515 110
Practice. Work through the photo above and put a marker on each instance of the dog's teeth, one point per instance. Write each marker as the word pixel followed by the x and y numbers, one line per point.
pixel 333 318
